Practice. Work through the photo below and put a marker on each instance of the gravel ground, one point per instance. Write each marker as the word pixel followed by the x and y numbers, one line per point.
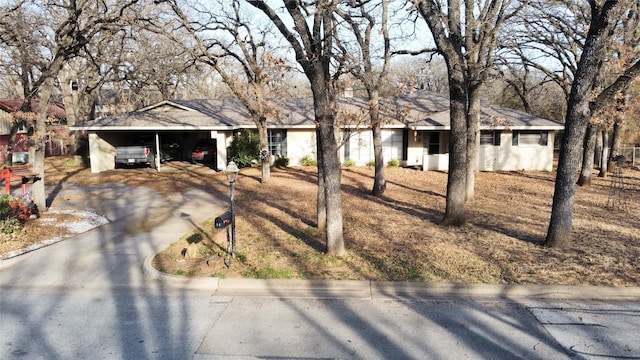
pixel 61 224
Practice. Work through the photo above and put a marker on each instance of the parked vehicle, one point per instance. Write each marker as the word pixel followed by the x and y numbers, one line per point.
pixel 204 151
pixel 135 155
pixel 170 151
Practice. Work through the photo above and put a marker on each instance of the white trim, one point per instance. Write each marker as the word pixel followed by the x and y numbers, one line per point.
pixel 167 102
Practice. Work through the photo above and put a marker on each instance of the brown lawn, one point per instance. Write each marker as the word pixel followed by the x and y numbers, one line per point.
pixel 397 236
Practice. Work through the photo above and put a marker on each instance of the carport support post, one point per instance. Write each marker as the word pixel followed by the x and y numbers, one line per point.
pixel 231 172
pixel 158 155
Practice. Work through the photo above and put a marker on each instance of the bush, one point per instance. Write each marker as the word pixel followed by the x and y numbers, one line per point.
pixel 308 160
pixel 371 163
pixel 15 211
pixel 10 226
pixel 393 163
pixel 281 161
pixel 245 148
pixel 349 163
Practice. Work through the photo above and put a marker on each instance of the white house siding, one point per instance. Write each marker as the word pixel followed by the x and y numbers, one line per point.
pixel 415 148
pixel 102 154
pixel 223 141
pixel 418 150
pixel 392 144
pixel 300 143
pixel 507 157
pixel 5 123
pixel 359 146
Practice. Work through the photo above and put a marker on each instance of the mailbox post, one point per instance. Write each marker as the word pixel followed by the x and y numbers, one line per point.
pixel 231 172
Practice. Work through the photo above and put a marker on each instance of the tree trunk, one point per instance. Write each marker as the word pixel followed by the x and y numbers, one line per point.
pixel 615 142
pixel 263 134
pixel 588 155
pixel 605 153
pixel 577 119
pixel 331 172
pixel 38 145
pixel 597 152
pixel 560 225
pixel 456 181
pixel 321 205
pixel 333 195
pixel 473 132
pixel 379 180
pixel 71 104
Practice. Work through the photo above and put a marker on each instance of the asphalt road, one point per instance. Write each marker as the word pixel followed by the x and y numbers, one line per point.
pixel 94 297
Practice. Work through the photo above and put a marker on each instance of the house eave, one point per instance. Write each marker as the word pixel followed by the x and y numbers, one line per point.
pixel 144 128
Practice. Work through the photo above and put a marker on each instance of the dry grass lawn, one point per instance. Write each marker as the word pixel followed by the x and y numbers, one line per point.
pixel 397 236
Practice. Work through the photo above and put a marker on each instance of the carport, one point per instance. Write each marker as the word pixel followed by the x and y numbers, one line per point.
pixel 164 123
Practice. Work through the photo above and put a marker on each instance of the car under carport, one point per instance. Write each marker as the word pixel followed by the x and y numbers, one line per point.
pixel 165 122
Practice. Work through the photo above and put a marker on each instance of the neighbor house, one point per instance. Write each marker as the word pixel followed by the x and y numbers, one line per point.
pixel 415 131
pixel 20 153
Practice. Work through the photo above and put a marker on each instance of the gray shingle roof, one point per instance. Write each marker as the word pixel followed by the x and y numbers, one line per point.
pixel 418 110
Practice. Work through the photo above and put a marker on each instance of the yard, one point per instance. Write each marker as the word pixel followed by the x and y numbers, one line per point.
pixel 396 237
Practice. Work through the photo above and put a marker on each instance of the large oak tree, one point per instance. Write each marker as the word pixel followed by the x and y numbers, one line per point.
pixel 605 15
pixel 310 29
pixel 465 34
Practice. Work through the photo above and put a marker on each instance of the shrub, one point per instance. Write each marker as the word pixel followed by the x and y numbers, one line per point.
pixel 349 163
pixel 10 226
pixel 15 211
pixel 281 161
pixel 245 148
pixel 393 162
pixel 371 163
pixel 307 160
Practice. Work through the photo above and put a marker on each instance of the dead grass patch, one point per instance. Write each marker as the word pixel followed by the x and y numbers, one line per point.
pixel 397 236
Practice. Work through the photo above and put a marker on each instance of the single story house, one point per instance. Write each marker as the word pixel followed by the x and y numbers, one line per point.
pixel 415 131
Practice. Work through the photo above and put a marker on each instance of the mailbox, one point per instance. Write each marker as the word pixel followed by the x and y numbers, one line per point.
pixel 223 220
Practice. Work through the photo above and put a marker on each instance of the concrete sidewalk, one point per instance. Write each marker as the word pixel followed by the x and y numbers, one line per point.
pixel 430 328
pixel 328 319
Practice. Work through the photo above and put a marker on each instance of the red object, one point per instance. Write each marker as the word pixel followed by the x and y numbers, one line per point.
pixel 7 174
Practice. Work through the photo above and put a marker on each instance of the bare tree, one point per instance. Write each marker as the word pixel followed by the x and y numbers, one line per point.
pixel 238 49
pixel 312 39
pixel 547 36
pixel 582 104
pixel 62 30
pixel 524 87
pixel 363 20
pixel 550 36
pixel 465 33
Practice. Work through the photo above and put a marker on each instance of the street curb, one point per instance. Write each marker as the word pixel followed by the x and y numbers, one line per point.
pixel 177 280
pixel 503 291
pixel 368 289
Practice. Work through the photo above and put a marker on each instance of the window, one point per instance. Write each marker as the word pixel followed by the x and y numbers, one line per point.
pixel 359 147
pixel 530 138
pixel 432 142
pixel 277 142
pixel 392 144
pixel 490 137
